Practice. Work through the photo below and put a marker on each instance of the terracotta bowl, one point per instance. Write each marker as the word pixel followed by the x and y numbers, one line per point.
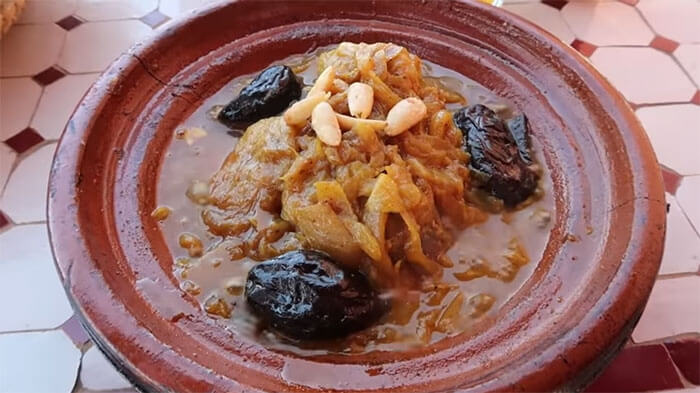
pixel 557 331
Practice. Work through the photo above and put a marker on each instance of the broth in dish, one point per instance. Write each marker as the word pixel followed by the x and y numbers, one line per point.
pixel 351 200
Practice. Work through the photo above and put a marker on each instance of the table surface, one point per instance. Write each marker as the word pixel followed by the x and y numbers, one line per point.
pixel 649 49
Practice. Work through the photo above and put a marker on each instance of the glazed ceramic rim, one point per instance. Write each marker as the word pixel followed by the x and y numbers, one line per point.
pixel 632 281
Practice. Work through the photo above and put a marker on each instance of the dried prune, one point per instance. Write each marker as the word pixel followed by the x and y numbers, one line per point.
pixel 305 295
pixel 267 95
pixel 500 154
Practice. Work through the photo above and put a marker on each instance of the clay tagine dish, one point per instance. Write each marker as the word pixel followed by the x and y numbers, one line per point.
pixel 357 196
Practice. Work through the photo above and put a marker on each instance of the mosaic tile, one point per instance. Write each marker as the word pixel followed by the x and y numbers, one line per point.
pixel 672 180
pixel 19 97
pixel 689 57
pixel 607 23
pixel 688 196
pixel 583 47
pixel 32 173
pixel 544 16
pixel 664 44
pixel 696 98
pixel 678 22
pixel 672 301
pixel 4 222
pixel 49 76
pixel 27 260
pixel 642 85
pixel 75 330
pixel 99 10
pixel 24 140
pixel 27 50
pixel 154 19
pixel 682 248
pixel 686 355
pixel 58 102
pixel 557 4
pixel 97 373
pixel 673 135
pixel 70 22
pixel 38 362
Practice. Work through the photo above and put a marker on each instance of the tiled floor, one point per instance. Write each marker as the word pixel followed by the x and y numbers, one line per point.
pixel 649 49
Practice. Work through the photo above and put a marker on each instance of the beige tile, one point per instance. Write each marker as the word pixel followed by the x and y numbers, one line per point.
pixel 674 134
pixel 549 18
pixel 607 23
pixel 90 47
pixel 38 362
pixel 96 10
pixel 26 258
pixel 173 8
pixel 24 199
pixel 27 50
pixel 46 11
pixel 689 57
pixel 18 100
pixel 7 160
pixel 672 309
pixel 57 103
pixel 97 373
pixel 682 248
pixel 688 196
pixel 674 19
pixel 637 72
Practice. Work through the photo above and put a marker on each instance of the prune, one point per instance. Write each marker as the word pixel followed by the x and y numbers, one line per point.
pixel 305 295
pixel 267 95
pixel 500 154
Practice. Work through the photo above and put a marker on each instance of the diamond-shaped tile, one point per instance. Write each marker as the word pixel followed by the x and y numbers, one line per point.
pixel 682 247
pixel 18 100
pixel 544 16
pixel 673 132
pixel 630 2
pixel 635 72
pixel 97 373
pixel 70 22
pixel 154 19
pixel 696 98
pixel 49 76
pixel 671 309
pixel 606 23
pixel 583 47
pixel 27 50
pixel 58 102
pixel 24 140
pixel 38 362
pixel 686 355
pixel 27 264
pixel 689 57
pixel 4 222
pixel 75 330
pixel 558 4
pixel 677 19
pixel 671 180
pixel 664 44
pixel 24 198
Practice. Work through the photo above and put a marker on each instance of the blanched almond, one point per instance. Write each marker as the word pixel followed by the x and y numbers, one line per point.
pixel 323 82
pixel 348 122
pixel 325 124
pixel 360 99
pixel 404 115
pixel 300 111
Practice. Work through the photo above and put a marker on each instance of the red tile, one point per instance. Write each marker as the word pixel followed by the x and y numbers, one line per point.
pixel 671 179
pixel 24 140
pixel 584 47
pixel 696 98
pixel 154 19
pixel 630 2
pixel 664 44
pixel 74 329
pixel 70 22
pixel 3 221
pixel 686 355
pixel 639 369
pixel 558 4
pixel 49 76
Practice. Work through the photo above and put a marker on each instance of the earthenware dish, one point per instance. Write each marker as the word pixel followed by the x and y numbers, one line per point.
pixel 561 327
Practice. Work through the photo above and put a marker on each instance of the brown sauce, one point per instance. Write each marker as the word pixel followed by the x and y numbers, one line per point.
pixel 492 260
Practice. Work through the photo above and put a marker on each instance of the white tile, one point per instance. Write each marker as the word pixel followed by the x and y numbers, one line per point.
pixel 682 248
pixel 607 23
pixel 38 362
pixel 546 17
pixel 7 160
pixel 46 11
pixel 24 199
pixel 674 134
pixel 97 373
pixel 31 296
pixel 644 75
pixel 18 99
pixel 27 50
pixel 103 41
pixel 57 103
pixel 674 19
pixel 688 196
pixel 689 57
pixel 672 309
pixel 173 8
pixel 95 10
